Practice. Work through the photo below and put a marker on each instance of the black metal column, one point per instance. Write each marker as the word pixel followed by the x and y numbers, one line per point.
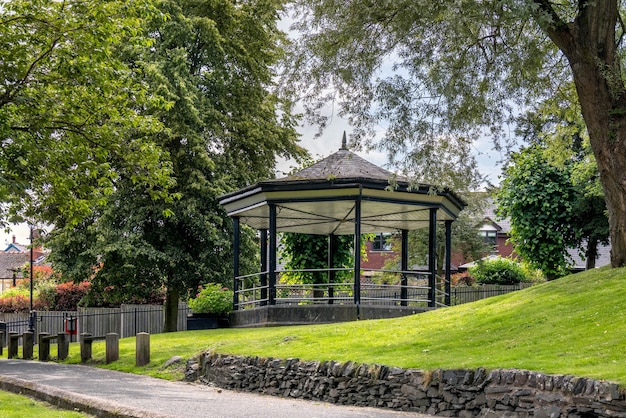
pixel 271 277
pixel 236 239
pixel 404 266
pixel 332 249
pixel 448 261
pixel 357 256
pixel 432 257
pixel 263 267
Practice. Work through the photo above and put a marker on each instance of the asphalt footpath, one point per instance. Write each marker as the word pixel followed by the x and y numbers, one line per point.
pixel 107 393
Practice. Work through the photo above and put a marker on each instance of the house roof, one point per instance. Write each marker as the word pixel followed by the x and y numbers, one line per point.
pixel 603 259
pixel 14 247
pixel 490 214
pixel 10 262
pixel 321 199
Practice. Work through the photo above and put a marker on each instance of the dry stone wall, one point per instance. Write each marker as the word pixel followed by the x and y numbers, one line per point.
pixel 449 393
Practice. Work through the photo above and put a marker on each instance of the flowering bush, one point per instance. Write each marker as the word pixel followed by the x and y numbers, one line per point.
pixel 212 298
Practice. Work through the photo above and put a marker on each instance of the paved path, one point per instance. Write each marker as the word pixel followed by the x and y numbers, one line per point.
pixel 114 394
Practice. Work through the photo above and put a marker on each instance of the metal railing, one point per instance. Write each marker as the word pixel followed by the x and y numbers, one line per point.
pixel 377 287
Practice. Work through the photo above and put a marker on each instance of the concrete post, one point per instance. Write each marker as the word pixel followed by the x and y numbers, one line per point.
pixel 142 355
pixel 112 347
pixel 44 346
pixel 28 345
pixel 63 345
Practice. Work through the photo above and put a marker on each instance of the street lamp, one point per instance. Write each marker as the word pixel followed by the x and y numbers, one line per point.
pixel 31 317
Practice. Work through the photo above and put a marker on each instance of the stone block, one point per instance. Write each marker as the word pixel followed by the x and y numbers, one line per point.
pixel 552 411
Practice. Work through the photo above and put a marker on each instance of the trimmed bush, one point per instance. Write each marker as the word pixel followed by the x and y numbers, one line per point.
pixel 212 298
pixel 498 270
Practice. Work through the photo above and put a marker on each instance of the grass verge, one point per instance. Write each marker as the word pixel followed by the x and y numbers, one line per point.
pixel 575 325
pixel 18 406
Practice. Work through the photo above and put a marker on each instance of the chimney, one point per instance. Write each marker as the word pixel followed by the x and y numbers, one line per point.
pixel 13 239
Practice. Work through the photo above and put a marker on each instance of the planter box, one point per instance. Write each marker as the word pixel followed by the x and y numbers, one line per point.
pixel 202 321
pixel 207 321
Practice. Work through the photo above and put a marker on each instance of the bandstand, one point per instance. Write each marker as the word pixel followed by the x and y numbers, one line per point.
pixel 342 194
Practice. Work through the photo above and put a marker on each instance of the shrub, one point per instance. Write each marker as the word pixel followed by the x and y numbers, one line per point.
pixel 462 279
pixel 498 270
pixel 212 298
pixel 46 295
pixel 70 294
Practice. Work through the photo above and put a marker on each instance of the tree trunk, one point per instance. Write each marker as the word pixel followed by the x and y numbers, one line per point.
pixel 591 254
pixel 171 310
pixel 589 43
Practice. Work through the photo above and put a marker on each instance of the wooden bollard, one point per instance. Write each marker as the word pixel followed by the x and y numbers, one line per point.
pixel 63 345
pixel 2 333
pixel 27 345
pixel 112 347
pixel 142 355
pixel 85 346
pixel 44 346
pixel 14 339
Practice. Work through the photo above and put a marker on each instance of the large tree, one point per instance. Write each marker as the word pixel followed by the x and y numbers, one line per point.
pixel 556 129
pixel 538 199
pixel 463 66
pixel 69 121
pixel 211 61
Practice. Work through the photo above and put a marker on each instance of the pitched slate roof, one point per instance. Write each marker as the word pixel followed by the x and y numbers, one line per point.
pixel 490 213
pixel 343 164
pixel 10 262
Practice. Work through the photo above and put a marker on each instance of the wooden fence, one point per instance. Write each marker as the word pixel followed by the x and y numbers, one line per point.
pixel 126 321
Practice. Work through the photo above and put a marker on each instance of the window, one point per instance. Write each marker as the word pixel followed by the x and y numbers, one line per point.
pixel 489 237
pixel 381 242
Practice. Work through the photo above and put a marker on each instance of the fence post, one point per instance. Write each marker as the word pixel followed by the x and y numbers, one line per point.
pixel 142 355
pixel 27 345
pixel 63 345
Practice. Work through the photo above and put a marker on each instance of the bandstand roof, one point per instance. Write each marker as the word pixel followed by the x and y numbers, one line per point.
pixel 321 199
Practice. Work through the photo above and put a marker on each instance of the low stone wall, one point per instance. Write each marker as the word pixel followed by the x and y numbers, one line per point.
pixel 450 393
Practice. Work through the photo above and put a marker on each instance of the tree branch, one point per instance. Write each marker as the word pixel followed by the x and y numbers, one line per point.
pixel 558 30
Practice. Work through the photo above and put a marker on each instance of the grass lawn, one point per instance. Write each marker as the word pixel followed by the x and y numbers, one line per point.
pixel 18 406
pixel 574 325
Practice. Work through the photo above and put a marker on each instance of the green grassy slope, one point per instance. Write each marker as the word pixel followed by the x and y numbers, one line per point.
pixel 574 325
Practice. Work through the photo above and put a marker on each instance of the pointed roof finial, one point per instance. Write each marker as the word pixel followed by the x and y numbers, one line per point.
pixel 344 141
